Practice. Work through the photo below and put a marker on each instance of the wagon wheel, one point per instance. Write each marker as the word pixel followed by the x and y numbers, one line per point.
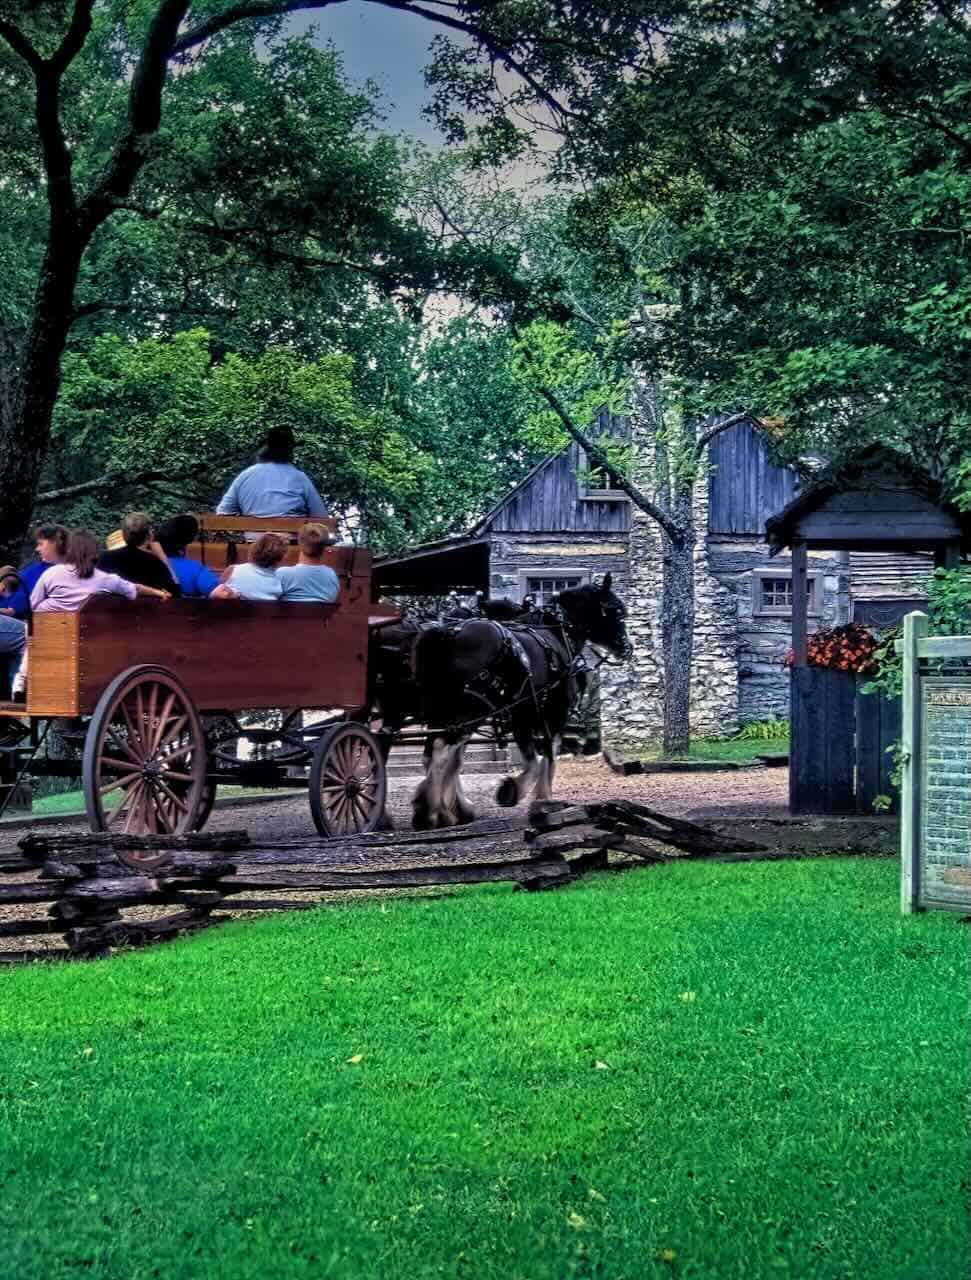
pixel 145 745
pixel 348 781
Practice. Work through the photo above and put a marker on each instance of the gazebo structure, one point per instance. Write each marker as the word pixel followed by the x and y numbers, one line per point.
pixel 877 501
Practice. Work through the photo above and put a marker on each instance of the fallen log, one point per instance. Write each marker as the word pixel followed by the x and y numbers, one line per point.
pixel 34 957
pixel 42 891
pixel 39 848
pixel 97 939
pixel 24 928
pixel 630 819
pixel 585 836
pixel 395 877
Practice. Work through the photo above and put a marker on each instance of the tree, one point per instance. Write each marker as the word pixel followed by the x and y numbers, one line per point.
pixel 113 105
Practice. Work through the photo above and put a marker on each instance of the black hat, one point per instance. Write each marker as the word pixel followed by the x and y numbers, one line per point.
pixel 177 532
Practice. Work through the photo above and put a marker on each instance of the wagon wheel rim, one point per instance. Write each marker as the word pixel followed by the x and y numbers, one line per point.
pixel 349 782
pixel 146 750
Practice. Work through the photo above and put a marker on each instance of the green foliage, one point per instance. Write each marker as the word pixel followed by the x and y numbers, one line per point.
pixel 429 1101
pixel 949 614
pixel 763 731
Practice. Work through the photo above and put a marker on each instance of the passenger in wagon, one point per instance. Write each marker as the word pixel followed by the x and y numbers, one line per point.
pixel 141 560
pixel 174 536
pixel 258 579
pixel 310 579
pixel 66 586
pixel 273 486
pixel 51 540
pixel 13 642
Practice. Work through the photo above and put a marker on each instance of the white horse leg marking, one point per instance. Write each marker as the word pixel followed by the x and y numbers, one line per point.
pixel 544 783
pixel 511 790
pixel 435 795
pixel 453 798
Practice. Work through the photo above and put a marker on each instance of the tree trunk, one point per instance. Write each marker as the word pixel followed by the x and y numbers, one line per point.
pixel 677 640
pixel 25 435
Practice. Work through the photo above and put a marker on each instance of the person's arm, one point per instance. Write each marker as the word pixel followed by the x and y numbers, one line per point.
pixel 155 548
pixel 39 592
pixel 315 503
pixel 141 590
pixel 223 591
pixel 229 502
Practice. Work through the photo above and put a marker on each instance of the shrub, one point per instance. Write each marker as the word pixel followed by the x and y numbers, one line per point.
pixel 763 731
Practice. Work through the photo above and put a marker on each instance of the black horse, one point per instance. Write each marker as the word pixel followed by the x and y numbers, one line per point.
pixel 522 677
pixel 393 698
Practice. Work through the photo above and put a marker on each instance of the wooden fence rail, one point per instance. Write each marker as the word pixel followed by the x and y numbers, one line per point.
pixel 90 879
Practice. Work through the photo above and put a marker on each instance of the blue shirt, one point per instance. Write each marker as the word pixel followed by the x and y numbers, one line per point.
pixel 255 583
pixel 316 582
pixel 194 578
pixel 19 600
pixel 271 489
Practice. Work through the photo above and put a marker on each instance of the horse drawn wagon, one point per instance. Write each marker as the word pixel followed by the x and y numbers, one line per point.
pixel 145 700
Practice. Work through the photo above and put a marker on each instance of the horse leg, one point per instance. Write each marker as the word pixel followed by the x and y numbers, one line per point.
pixel 428 805
pixel 512 789
pixel 456 800
pixel 544 783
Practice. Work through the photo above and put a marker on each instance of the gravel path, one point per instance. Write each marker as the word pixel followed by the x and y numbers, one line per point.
pixel 743 792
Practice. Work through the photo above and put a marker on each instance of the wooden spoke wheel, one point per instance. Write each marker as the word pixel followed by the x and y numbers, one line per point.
pixel 144 768
pixel 348 781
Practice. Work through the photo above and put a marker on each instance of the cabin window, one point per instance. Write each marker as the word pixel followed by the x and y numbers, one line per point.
pixel 772 593
pixel 593 483
pixel 544 586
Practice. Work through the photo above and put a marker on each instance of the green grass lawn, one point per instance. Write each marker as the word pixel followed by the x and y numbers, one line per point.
pixel 694 1071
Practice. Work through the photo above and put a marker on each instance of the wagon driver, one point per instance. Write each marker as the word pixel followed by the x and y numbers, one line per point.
pixel 273 486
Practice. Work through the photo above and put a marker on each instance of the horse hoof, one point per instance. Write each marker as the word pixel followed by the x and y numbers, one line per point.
pixel 507 794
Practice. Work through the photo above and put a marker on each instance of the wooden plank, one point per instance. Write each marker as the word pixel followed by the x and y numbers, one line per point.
pixel 821 754
pixel 231 654
pixel 54 647
pixel 210 522
pixel 908 527
pixel 878 727
pixel 941 646
pixel 800 604
pixel 915 628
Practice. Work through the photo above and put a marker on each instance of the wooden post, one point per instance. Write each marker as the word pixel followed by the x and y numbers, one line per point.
pixel 800 605
pixel 915 629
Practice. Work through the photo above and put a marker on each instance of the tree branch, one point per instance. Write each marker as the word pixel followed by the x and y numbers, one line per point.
pixel 21 45
pixel 144 115
pixel 600 458
pixel 73 42
pixel 241 12
pixel 110 480
pixel 706 437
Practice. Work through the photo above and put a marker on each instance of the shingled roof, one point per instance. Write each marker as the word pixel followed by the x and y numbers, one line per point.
pixel 870 500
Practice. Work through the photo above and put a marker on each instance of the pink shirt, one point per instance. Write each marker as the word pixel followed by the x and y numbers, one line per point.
pixel 60 590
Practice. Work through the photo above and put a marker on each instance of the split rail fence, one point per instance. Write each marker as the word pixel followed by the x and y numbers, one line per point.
pixel 88 880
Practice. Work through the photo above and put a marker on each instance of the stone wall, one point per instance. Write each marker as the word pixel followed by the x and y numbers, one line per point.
pixel 632 713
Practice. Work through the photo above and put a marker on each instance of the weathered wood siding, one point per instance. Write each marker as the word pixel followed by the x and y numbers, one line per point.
pixel 549 501
pixel 744 487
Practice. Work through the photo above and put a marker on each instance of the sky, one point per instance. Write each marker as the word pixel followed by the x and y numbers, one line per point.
pixel 386 47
